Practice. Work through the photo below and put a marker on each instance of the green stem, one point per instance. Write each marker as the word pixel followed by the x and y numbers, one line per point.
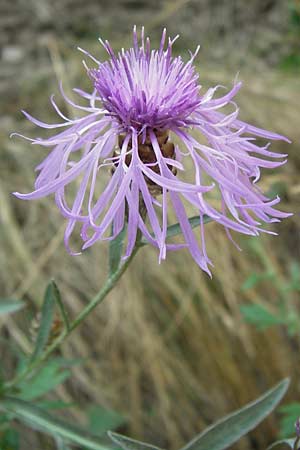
pixel 98 298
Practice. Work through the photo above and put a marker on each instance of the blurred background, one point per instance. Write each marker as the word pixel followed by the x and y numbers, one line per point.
pixel 170 350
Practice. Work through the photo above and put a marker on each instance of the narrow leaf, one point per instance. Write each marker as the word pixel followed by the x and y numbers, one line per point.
pixel 101 420
pixel 60 304
pixel 290 412
pixel 9 440
pixel 45 380
pixel 232 427
pixel 175 229
pixel 9 305
pixel 290 408
pixel 260 316
pixel 130 444
pixel 43 421
pixel 253 279
pixel 284 442
pixel 55 404
pixel 115 251
pixel 46 321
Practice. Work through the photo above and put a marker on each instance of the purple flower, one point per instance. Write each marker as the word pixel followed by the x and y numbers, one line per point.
pixel 142 100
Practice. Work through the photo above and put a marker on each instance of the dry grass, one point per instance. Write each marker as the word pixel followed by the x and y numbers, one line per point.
pixel 168 348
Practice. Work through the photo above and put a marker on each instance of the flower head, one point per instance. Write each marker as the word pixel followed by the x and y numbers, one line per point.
pixel 142 99
pixel 147 90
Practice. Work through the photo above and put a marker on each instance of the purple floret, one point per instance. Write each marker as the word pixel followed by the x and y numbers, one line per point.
pixel 145 97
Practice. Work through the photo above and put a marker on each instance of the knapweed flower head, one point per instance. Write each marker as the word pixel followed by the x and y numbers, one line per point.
pixel 143 100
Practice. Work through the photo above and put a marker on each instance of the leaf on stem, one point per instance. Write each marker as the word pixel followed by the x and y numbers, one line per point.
pixel 260 316
pixel 175 229
pixel 9 439
pixel 130 444
pixel 290 413
pixel 9 305
pixel 60 304
pixel 101 420
pixel 254 279
pixel 39 419
pixel 45 380
pixel 47 316
pixel 115 251
pixel 231 428
pixel 283 443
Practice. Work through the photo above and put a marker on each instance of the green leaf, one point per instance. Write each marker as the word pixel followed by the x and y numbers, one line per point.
pixel 10 440
pixel 45 380
pixel 175 230
pixel 290 413
pixel 252 281
pixel 231 428
pixel 55 404
pixel 295 277
pixel 283 442
pixel 101 420
pixel 292 322
pixel 39 419
pixel 60 304
pixel 115 251
pixel 130 444
pixel 295 271
pixel 9 305
pixel 69 362
pixel 256 278
pixel 4 419
pixel 46 321
pixel 259 316
pixel 290 408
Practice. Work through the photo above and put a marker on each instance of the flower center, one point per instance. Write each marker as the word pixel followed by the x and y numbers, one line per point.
pixel 148 157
